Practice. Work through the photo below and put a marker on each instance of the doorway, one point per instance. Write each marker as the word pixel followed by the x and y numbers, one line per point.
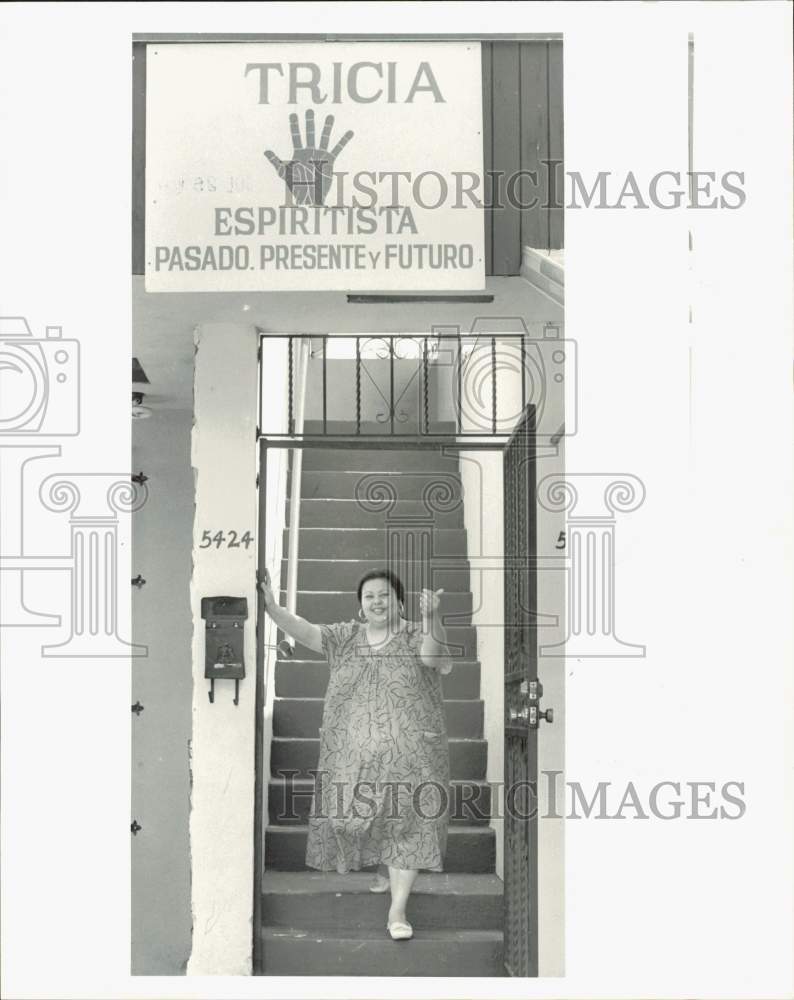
pixel 518 951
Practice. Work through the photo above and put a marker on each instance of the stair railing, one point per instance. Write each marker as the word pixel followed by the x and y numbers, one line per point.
pixel 304 347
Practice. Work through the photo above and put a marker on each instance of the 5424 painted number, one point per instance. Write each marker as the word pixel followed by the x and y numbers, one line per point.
pixel 228 539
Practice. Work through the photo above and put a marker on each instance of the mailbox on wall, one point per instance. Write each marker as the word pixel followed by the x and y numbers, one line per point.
pixel 225 627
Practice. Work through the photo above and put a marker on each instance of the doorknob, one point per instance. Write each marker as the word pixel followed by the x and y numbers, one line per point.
pixel 535 715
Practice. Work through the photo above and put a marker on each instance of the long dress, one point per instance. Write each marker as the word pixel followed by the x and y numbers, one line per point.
pixel 382 785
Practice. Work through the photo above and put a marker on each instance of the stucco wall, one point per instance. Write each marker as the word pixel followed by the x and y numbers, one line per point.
pixel 222 804
pixel 162 683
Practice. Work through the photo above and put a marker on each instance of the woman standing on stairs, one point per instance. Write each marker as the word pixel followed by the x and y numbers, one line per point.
pixel 382 791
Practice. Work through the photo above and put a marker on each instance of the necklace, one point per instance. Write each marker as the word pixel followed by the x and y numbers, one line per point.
pixel 388 635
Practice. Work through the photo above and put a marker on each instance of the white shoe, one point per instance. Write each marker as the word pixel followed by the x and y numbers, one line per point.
pixel 381 884
pixel 400 930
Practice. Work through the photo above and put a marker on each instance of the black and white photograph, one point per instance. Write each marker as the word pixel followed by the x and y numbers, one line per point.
pixel 355 254
pixel 426 370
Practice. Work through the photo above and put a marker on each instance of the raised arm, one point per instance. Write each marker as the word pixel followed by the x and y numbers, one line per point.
pixel 298 628
pixel 433 651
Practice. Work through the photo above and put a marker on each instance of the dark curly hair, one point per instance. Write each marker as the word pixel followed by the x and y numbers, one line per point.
pixel 382 574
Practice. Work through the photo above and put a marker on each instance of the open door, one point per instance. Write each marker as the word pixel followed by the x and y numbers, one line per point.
pixel 522 701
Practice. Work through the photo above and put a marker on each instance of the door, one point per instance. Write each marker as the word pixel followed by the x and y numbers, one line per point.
pixel 522 697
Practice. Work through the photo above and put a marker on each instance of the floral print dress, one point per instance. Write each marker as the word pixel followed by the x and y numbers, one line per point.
pixel 382 787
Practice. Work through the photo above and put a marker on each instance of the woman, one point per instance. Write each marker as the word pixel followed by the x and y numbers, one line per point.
pixel 382 792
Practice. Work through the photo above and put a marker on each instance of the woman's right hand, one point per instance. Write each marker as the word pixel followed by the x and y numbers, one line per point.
pixel 267 591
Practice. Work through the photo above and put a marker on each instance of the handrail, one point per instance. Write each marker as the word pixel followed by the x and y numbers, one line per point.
pixel 295 481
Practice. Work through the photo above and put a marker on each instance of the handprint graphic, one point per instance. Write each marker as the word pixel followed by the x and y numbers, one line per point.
pixel 309 173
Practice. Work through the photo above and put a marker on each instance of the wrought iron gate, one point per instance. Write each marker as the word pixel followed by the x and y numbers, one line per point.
pixel 522 702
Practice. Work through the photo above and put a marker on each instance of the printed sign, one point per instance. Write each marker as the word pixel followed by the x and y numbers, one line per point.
pixel 347 166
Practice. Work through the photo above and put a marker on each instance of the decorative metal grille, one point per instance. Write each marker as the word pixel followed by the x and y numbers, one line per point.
pixel 421 389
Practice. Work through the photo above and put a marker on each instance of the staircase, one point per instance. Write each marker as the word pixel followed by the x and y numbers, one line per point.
pixel 321 923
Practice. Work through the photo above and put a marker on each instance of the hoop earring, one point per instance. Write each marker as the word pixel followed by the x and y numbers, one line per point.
pixel 361 616
pixel 402 610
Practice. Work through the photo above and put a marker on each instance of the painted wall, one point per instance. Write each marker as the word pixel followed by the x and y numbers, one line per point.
pixel 162 683
pixel 222 807
pixel 375 388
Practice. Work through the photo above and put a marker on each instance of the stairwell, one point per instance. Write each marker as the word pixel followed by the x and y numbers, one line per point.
pixel 322 923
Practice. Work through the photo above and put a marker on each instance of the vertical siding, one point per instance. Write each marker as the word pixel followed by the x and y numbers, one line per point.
pixel 522 87
pixel 506 155
pixel 487 137
pixel 534 130
pixel 555 119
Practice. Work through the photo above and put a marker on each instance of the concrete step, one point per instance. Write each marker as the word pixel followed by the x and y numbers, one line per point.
pixel 470 849
pixel 355 514
pixel 301 717
pixel 367 543
pixel 344 574
pixel 461 642
pixel 299 757
pixel 330 606
pixel 338 485
pixel 309 679
pixel 468 953
pixel 289 802
pixel 327 901
pixel 353 459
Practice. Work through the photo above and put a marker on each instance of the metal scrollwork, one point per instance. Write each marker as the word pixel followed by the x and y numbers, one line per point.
pixel 385 417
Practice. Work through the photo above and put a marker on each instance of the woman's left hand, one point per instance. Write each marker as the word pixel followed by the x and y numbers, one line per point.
pixel 429 600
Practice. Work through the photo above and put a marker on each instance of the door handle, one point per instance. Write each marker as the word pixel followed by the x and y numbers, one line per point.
pixel 535 715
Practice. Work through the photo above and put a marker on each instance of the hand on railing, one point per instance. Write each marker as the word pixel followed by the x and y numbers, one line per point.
pixel 266 588
pixel 284 647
